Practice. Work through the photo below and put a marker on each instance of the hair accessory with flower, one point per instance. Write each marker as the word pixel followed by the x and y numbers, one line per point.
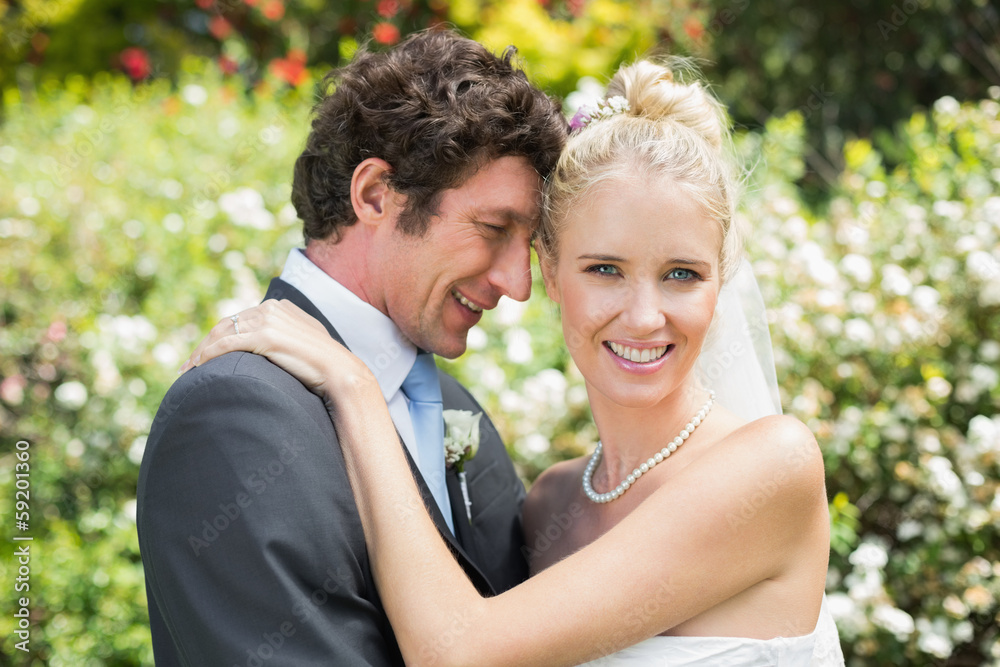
pixel 606 109
pixel 461 442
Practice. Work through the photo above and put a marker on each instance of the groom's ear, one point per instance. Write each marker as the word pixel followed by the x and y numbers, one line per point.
pixel 374 202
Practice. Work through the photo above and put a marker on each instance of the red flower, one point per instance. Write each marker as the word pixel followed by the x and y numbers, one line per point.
pixel 273 10
pixel 387 8
pixel 292 69
pixel 228 65
pixel 385 33
pixel 204 4
pixel 220 27
pixel 575 7
pixel 251 3
pixel 693 28
pixel 135 62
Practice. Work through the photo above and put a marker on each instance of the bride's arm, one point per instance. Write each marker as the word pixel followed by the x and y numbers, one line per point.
pixel 687 548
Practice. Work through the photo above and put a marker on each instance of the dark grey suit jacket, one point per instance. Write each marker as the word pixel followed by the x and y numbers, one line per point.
pixel 251 542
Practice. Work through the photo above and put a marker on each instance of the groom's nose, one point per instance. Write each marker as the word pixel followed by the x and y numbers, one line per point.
pixel 511 270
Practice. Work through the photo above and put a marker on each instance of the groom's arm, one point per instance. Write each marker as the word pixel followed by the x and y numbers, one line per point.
pixel 251 542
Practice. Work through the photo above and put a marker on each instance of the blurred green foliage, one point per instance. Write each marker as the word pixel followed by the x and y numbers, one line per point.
pixel 849 68
pixel 137 208
pixel 137 216
pixel 852 68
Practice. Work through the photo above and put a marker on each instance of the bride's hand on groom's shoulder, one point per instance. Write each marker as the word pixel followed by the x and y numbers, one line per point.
pixel 292 339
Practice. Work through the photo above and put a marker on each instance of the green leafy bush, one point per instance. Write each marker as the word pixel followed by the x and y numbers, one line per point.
pixel 135 218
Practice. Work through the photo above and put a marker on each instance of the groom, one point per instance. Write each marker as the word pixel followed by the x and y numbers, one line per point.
pixel 419 191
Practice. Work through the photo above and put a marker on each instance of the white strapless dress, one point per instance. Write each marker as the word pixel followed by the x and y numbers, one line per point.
pixel 820 648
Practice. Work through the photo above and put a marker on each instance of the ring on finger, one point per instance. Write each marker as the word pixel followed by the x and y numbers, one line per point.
pixel 236 322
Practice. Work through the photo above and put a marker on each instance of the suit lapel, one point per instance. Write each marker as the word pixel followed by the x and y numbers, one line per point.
pixel 279 289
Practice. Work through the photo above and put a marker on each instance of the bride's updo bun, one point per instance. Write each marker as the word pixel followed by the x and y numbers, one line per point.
pixel 668 129
pixel 652 93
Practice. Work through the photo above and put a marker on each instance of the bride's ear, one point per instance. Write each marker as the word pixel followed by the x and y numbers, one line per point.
pixel 547 265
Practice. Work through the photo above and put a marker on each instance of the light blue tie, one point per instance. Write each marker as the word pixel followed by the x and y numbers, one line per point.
pixel 423 390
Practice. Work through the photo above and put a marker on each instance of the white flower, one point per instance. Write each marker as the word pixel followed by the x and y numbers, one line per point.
pixel 938 387
pixel 876 189
pixel 935 644
pixel 862 303
pixel 926 298
pixel 245 207
pixel 71 395
pixel 461 439
pixel 194 94
pixel 952 210
pixel 518 345
pixel 870 555
pixel 947 106
pixel 865 586
pixel 962 632
pixel 895 280
pixel 166 354
pixel 858 267
pixel 547 388
pixel 509 312
pixel 129 509
pixel 966 244
pixel 821 269
pixel 984 377
pixel 984 433
pixel 991 210
pixel 859 331
pixel 982 265
pixel 908 529
pixel 492 377
pixel 896 621
pixel 606 109
pixel 534 443
pixel 461 443
pixel 476 338
pixel 989 350
pixel 137 449
pixel 29 206
pixel 943 480
pixel 943 269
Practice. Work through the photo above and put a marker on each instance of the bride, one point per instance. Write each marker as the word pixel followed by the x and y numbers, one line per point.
pixel 693 534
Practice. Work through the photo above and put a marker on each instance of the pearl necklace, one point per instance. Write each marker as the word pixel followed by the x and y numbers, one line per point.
pixel 626 483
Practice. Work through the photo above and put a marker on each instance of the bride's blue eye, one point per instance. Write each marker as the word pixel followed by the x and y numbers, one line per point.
pixel 603 269
pixel 682 274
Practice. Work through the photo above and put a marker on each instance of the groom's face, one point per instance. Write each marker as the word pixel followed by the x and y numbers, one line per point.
pixel 475 250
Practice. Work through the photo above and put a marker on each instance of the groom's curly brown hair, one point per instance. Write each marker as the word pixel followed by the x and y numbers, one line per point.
pixel 436 108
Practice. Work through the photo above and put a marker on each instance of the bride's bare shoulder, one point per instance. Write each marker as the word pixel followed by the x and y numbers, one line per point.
pixel 782 440
pixel 556 488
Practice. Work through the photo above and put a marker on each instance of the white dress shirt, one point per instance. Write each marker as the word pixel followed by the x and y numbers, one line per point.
pixel 369 334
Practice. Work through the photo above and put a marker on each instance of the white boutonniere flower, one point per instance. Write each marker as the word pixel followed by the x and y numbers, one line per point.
pixel 461 443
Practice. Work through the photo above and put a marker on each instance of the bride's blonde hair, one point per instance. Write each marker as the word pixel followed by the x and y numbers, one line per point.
pixel 671 129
